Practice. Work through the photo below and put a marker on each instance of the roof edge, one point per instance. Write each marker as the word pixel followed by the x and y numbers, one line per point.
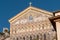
pixel 56 11
pixel 20 13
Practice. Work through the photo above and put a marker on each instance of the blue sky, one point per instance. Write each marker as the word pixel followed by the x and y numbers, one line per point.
pixel 9 8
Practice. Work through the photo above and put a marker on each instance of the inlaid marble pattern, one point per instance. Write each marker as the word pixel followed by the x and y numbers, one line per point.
pixel 32 25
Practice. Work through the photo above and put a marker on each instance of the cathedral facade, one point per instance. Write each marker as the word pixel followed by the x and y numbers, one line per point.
pixel 32 24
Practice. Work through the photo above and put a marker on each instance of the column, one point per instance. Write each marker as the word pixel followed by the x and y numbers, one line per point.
pixel 42 36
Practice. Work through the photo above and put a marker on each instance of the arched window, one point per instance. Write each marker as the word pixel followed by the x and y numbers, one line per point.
pixel 13 38
pixel 17 38
pixel 43 26
pixel 48 36
pixel 40 37
pixel 30 37
pixel 23 38
pixel 37 37
pixel 20 37
pixel 44 36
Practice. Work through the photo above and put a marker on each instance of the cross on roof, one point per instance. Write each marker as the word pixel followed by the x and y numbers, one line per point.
pixel 30 3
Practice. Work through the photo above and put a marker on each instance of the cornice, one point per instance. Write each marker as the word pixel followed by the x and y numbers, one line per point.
pixel 27 9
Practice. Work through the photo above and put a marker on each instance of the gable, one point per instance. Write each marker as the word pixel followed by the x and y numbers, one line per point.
pixel 30 11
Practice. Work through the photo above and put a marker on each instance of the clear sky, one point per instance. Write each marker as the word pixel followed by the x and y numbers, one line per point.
pixel 9 8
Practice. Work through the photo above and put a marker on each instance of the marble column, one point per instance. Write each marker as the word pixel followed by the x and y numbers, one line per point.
pixel 40 36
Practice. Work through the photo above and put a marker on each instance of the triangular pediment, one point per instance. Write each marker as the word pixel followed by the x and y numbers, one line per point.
pixel 30 11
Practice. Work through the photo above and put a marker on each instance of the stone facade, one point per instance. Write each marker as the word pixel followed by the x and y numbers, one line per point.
pixel 32 24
